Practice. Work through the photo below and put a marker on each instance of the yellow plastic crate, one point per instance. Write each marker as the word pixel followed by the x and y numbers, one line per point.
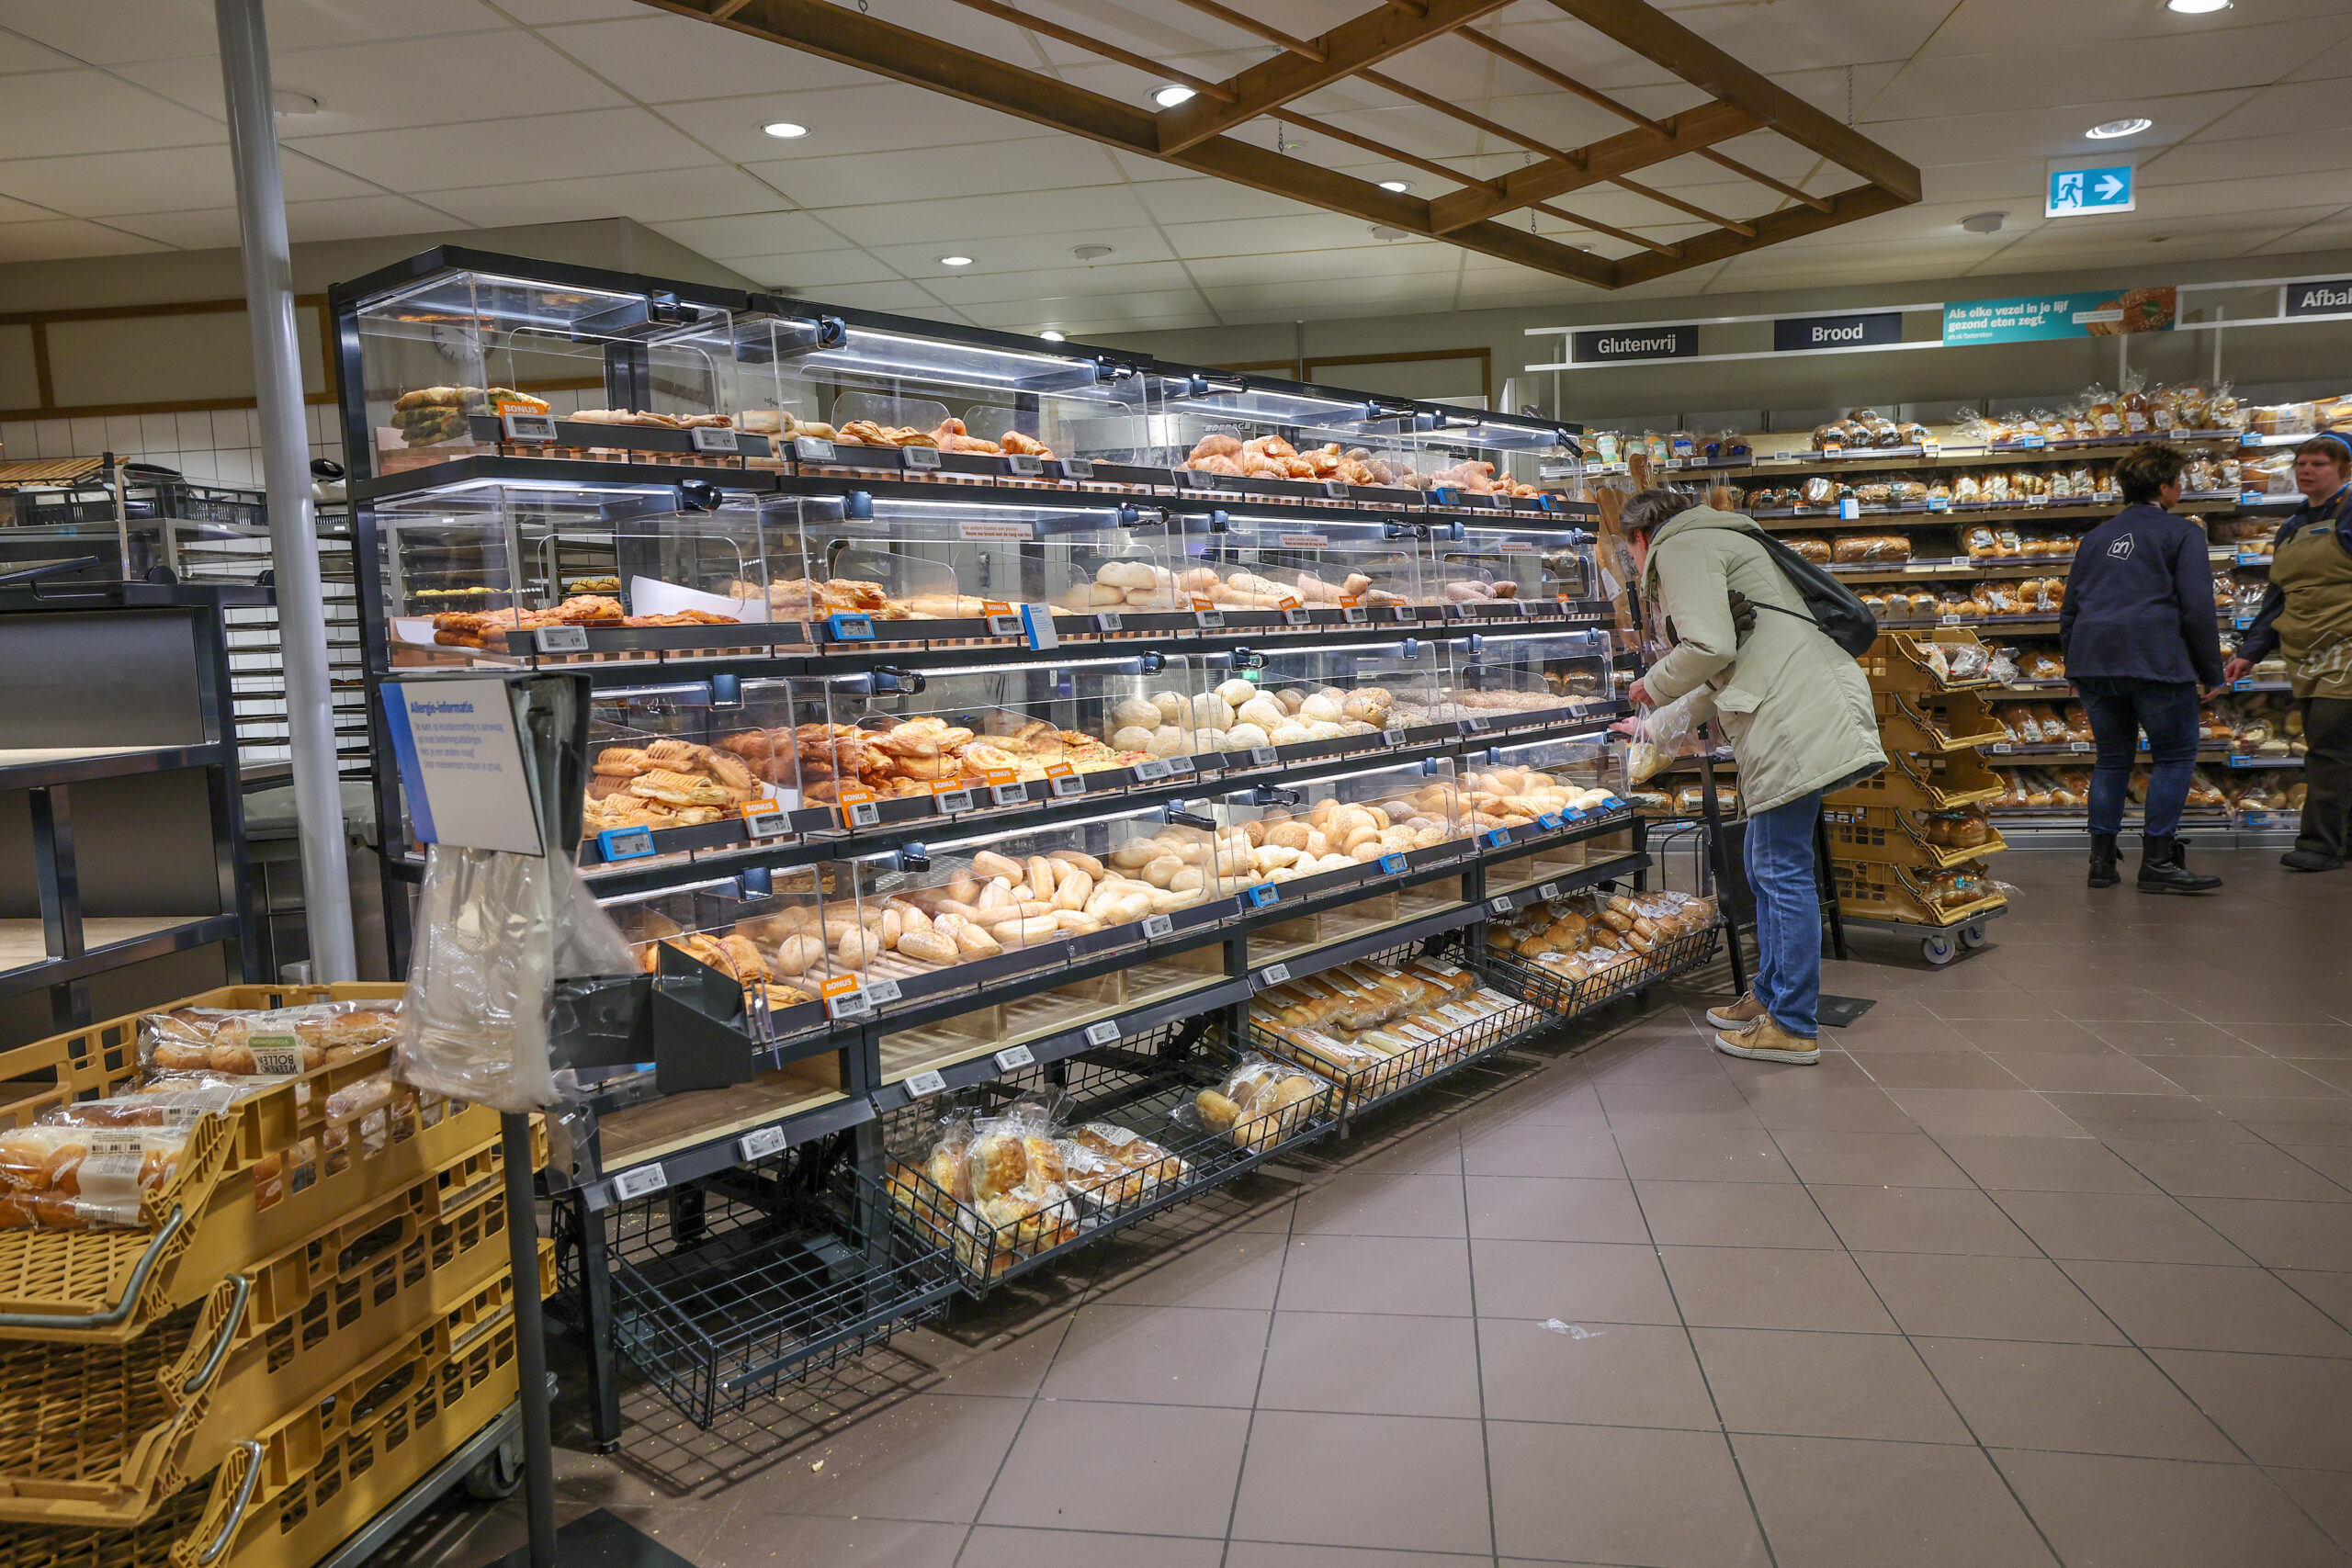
pixel 109 1285
pixel 298 1487
pixel 1936 723
pixel 1898 661
pixel 172 1401
pixel 1877 890
pixel 1943 783
pixel 1888 833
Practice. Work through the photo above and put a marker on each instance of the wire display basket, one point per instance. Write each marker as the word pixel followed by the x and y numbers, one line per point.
pixel 1153 1085
pixel 1564 995
pixel 1368 1086
pixel 726 1289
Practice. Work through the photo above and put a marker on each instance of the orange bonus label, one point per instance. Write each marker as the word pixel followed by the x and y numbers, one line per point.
pixel 1349 600
pixel 839 985
pixel 995 607
pixel 851 800
pixel 1059 771
pixel 1288 602
pixel 1001 775
pixel 1203 602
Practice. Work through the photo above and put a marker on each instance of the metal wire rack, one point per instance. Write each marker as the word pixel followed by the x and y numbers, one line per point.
pixel 1370 1087
pixel 723 1291
pixel 1151 1085
pixel 1565 996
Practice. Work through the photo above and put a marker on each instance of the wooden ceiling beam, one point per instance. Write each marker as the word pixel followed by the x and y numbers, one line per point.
pixel 1463 217
pixel 1662 40
pixel 1347 49
pixel 1746 230
pixel 1436 104
pixel 1594 165
pixel 1789 223
pixel 1248 24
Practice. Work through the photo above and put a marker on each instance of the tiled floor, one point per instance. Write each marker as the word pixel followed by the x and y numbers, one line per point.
pixel 2050 1261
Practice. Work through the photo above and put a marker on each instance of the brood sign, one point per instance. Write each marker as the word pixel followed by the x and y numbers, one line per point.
pixel 1802 334
pixel 1634 343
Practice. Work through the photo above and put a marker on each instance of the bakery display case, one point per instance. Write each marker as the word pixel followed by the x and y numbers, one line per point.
pixel 492 571
pixel 1473 463
pixel 1287 703
pixel 952 914
pixel 973 738
pixel 1482 574
pixel 463 359
pixel 1283 441
pixel 1355 838
pixel 1502 682
pixel 1262 572
pixel 855 394
pixel 774 933
pixel 866 569
pixel 1535 794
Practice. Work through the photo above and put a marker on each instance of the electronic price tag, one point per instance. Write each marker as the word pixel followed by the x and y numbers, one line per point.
pixel 760 1143
pixel 642 1182
pixel 1014 1056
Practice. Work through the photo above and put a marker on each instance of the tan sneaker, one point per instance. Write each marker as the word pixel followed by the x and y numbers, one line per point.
pixel 1765 1040
pixel 1739 1015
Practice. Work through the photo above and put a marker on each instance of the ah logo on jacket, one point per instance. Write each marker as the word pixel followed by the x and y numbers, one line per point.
pixel 2121 549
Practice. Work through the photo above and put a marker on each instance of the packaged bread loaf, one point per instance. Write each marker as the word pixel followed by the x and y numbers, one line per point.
pixel 1259 1102
pixel 89 1165
pixel 275 1041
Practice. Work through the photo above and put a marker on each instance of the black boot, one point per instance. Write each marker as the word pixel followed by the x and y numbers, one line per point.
pixel 2103 861
pixel 2164 867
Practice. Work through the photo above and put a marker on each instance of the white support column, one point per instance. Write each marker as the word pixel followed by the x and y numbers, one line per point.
pixel 286 465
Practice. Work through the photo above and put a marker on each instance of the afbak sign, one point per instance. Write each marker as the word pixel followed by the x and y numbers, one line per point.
pixel 1634 343
pixel 2330 296
pixel 1803 335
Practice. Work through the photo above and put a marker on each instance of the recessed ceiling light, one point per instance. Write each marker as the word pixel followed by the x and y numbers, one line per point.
pixel 2111 129
pixel 1168 98
pixel 290 100
pixel 784 130
pixel 955 261
pixel 2196 7
pixel 1089 253
pixel 1388 231
pixel 1984 222
pixel 1400 186
pixel 1050 335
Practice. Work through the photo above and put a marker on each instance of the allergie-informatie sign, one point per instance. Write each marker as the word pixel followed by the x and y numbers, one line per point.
pixel 461 765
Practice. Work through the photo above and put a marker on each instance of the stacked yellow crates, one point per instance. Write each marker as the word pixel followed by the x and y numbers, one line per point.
pixel 1907 846
pixel 314 1314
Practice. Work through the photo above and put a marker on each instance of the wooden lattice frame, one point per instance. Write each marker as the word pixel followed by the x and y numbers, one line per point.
pixel 1193 135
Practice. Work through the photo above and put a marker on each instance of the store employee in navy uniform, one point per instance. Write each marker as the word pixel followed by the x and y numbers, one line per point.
pixel 2306 617
pixel 2141 639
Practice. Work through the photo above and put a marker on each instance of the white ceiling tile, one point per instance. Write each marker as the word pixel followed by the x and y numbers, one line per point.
pixel 1025 254
pixel 1201 201
pixel 352 218
pixel 663 196
pixel 965 223
pixel 807 272
pixel 752 234
pixel 18 53
pixel 386 85
pixel 603 142
pixel 2288 110
pixel 878 116
pixel 54 239
pixel 1103 280
pixel 660 57
pixel 23 212
pixel 555 13
pixel 198 229
pixel 1275 236
pixel 60 112
pixel 2212 157
pixel 162 179
pixel 996 168
pixel 110 34
pixel 1306 269
pixel 1994 27
pixel 1970 137
pixel 883 296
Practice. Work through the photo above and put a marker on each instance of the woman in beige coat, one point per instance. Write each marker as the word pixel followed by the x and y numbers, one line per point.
pixel 1797 711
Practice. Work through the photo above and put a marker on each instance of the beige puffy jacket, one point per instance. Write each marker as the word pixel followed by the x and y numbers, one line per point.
pixel 1795 708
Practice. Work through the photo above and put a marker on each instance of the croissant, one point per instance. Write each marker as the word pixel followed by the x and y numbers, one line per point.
pixel 1217 445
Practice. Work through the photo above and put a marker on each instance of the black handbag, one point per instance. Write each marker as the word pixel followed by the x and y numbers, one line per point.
pixel 1833 607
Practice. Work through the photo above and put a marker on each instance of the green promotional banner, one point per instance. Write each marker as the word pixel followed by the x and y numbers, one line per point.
pixel 2043 316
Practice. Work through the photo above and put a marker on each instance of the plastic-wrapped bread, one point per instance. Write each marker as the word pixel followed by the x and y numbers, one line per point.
pixel 77 1169
pixel 277 1041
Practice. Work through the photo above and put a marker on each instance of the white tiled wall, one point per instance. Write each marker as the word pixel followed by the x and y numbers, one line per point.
pixel 222 447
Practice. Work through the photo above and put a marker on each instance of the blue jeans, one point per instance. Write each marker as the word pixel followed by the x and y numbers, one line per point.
pixel 2119 710
pixel 1782 874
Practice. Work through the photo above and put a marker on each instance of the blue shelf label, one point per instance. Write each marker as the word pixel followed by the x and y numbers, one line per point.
pixel 1393 865
pixel 1551 819
pixel 625 843
pixel 1496 838
pixel 849 628
pixel 1264 894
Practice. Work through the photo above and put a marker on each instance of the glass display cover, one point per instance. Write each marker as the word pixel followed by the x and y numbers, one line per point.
pixel 1511 681
pixel 1348 825
pixel 1338 571
pixel 443 360
pixel 463 565
pixel 1494 570
pixel 1321 701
